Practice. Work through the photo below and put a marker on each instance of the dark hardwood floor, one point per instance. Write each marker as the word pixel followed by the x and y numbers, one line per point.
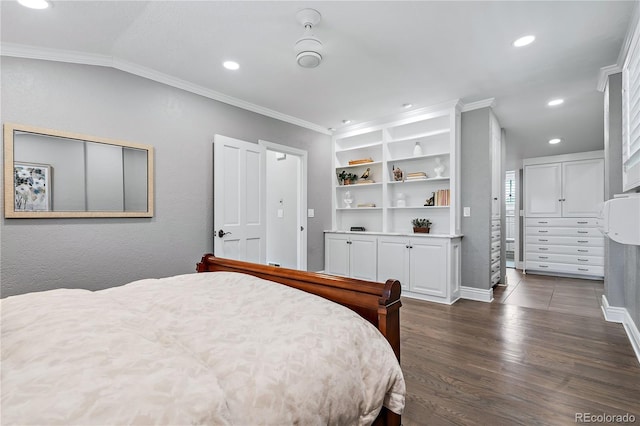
pixel 477 363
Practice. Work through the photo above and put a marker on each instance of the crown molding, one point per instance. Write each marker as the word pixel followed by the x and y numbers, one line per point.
pixel 485 103
pixel 605 72
pixel 30 52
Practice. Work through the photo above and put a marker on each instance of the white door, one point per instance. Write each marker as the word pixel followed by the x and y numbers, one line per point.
pixel 336 254
pixel 238 200
pixel 583 188
pixel 543 190
pixel 428 271
pixel 394 260
pixel 363 257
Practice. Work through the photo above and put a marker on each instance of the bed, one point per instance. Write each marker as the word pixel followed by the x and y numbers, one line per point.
pixel 230 345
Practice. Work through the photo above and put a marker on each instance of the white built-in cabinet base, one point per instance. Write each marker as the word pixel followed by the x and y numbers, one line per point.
pixel 427 265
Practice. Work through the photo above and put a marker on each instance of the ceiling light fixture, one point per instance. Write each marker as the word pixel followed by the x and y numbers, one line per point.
pixel 308 48
pixel 231 65
pixel 555 102
pixel 555 141
pixel 407 106
pixel 346 121
pixel 34 4
pixel 523 41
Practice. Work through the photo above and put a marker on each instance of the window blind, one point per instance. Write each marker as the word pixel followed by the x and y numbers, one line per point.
pixel 631 113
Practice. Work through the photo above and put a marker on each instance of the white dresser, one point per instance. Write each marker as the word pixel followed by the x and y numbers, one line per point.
pixel 562 196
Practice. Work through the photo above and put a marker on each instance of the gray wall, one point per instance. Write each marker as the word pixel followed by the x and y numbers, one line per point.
pixel 475 192
pixel 614 252
pixel 41 254
pixel 622 285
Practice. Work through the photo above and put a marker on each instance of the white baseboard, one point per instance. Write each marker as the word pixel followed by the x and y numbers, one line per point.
pixel 478 294
pixel 621 315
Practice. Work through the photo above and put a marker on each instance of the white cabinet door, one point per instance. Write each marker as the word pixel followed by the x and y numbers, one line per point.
pixel 543 190
pixel 393 260
pixel 363 257
pixel 428 267
pixel 336 255
pixel 583 188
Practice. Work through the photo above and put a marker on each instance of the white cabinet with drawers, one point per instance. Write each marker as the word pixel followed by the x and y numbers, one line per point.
pixel 562 195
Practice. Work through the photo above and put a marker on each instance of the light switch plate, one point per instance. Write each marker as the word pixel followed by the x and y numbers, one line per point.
pixel 311 213
pixel 280 213
pixel 466 211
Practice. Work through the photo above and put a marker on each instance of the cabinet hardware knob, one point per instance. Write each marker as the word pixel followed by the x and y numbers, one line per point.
pixel 542 222
pixel 582 223
pixel 543 240
pixel 543 266
pixel 543 257
pixel 583 260
pixel 543 248
pixel 543 232
pixel 583 269
pixel 407 246
pixel 583 241
pixel 583 232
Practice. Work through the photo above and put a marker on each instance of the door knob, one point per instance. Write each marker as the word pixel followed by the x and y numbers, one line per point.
pixel 221 233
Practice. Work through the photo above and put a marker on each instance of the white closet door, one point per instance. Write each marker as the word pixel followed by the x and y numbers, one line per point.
pixel 583 183
pixel 543 190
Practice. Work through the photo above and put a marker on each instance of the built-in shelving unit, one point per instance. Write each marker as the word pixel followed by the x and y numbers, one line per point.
pixel 392 145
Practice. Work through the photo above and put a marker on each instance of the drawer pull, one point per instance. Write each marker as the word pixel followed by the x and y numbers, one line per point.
pixel 543 257
pixel 583 251
pixel 540 239
pixel 582 223
pixel 583 241
pixel 542 221
pixel 583 269
pixel 583 232
pixel 543 248
pixel 543 266
pixel 583 260
pixel 543 232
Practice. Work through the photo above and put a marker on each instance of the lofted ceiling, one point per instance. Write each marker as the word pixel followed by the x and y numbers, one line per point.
pixel 377 56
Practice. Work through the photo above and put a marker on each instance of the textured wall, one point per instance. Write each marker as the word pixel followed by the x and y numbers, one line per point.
pixel 475 191
pixel 41 254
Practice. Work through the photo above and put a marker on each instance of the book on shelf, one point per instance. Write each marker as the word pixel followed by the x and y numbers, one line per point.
pixel 442 197
pixel 361 181
pixel 360 161
pixel 365 205
pixel 416 174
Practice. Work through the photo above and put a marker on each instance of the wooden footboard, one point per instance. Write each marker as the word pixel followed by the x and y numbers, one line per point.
pixel 377 303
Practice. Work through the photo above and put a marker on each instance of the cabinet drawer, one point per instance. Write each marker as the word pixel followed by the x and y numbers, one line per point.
pixel 597 271
pixel 495 267
pixel 495 225
pixel 565 241
pixel 579 232
pixel 495 257
pixel 558 249
pixel 495 246
pixel 565 258
pixel 586 222
pixel 495 278
pixel 495 235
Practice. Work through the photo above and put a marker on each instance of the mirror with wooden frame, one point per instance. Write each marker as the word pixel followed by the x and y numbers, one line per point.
pixel 56 174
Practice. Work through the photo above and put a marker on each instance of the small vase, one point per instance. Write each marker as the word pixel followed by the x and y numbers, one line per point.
pixel 421 230
pixel 417 150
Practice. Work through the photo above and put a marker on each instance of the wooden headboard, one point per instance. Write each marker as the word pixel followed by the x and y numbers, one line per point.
pixel 378 303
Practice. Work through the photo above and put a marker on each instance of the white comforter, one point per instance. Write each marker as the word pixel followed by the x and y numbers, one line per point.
pixel 210 348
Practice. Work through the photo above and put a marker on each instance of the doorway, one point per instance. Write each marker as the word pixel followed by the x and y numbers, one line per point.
pixel 286 206
pixel 511 215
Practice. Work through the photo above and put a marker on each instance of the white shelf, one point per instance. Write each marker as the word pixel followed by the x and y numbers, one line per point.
pixel 359 208
pixel 359 185
pixel 418 207
pixel 373 163
pixel 419 157
pixel 436 179
pixel 420 136
pixel 356 148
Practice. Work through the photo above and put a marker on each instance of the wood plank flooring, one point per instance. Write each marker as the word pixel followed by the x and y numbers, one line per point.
pixel 477 363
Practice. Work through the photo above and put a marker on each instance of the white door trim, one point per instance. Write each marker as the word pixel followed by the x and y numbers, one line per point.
pixel 302 240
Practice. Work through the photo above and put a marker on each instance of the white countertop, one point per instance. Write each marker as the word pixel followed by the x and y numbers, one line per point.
pixel 399 234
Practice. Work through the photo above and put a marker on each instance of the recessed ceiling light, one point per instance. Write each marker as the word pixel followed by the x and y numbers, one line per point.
pixel 407 106
pixel 523 41
pixel 555 102
pixel 231 65
pixel 555 141
pixel 34 4
pixel 332 129
pixel 346 121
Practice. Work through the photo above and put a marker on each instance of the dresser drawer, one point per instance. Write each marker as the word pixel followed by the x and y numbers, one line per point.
pixel 495 267
pixel 581 222
pixel 495 225
pixel 495 278
pixel 495 246
pixel 558 249
pixel 559 231
pixel 565 258
pixel 565 241
pixel 596 271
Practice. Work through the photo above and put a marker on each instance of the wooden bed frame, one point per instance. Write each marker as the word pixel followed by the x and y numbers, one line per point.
pixel 377 303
